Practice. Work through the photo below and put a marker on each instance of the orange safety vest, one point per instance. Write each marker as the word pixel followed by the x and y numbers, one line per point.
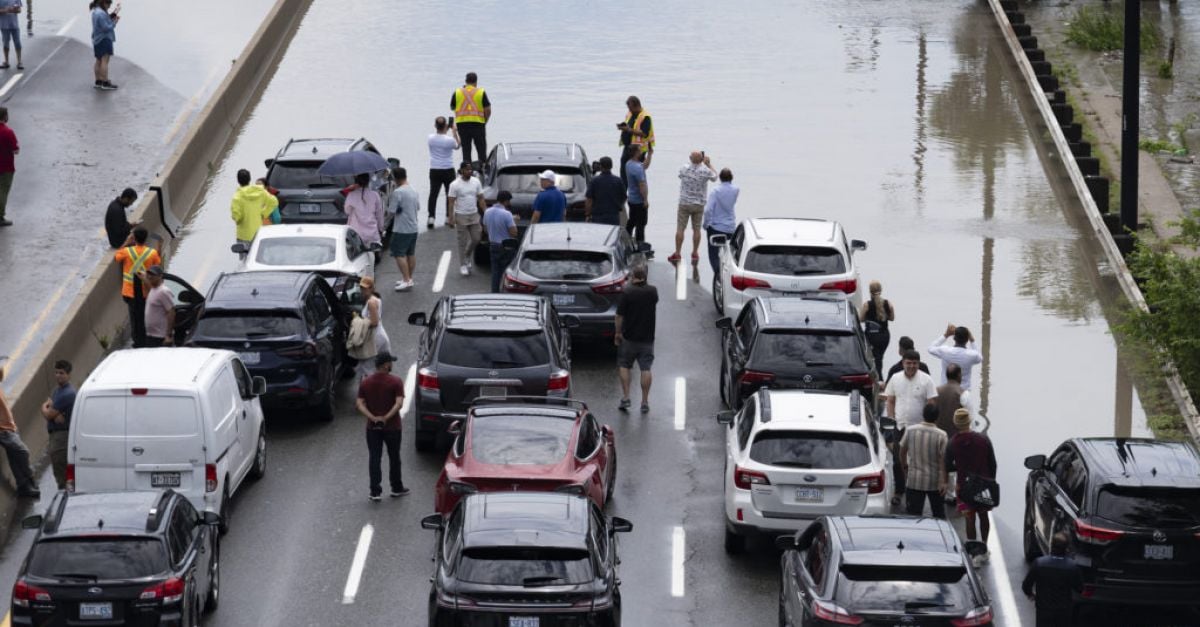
pixel 135 262
pixel 645 142
pixel 469 107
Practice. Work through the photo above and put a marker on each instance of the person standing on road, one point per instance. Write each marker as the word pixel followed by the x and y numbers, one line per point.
pixel 605 198
pixel 9 149
pixel 15 450
pixel 639 197
pixel 875 314
pixel 962 353
pixel 550 204
pixel 949 400
pixel 720 215
pixel 923 462
pixel 693 193
pixel 637 135
pixel 905 344
pixel 364 210
pixel 372 312
pixel 116 218
pixel 135 256
pixel 380 397
pixel 970 454
pixel 104 35
pixel 907 396
pixel 57 412
pixel 160 310
pixel 464 206
pixel 405 204
pixel 1052 582
pixel 10 30
pixel 500 225
pixel 472 110
pixel 441 164
pixel 634 335
pixel 251 205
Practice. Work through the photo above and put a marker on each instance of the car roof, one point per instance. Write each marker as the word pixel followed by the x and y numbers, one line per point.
pixel 793 230
pixel 815 311
pixel 570 235
pixel 317 149
pixel 812 410
pixel 258 290
pixel 495 312
pixel 1138 462
pixel 275 231
pixel 539 153
pixel 897 541
pixel 532 519
pixel 155 367
pixel 82 513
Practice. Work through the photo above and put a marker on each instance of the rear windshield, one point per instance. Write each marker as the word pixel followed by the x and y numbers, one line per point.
pixel 905 590
pixel 787 351
pixel 795 260
pixel 507 350
pixel 518 566
pixel 566 265
pixel 303 175
pixel 296 251
pixel 1142 507
pixel 98 558
pixel 520 439
pixel 243 326
pixel 806 449
pixel 525 179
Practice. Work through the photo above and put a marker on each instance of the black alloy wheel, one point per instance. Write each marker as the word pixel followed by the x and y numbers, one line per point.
pixel 223 527
pixel 213 598
pixel 718 292
pixel 260 454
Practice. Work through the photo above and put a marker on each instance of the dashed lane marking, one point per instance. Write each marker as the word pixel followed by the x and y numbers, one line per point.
pixel 439 281
pixel 677 547
pixel 9 85
pixel 409 386
pixel 66 27
pixel 681 281
pixel 680 403
pixel 356 566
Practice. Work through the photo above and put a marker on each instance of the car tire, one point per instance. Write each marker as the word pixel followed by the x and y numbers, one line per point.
pixel 734 544
pixel 783 621
pixel 433 611
pixel 223 527
pixel 423 441
pixel 194 614
pixel 616 612
pixel 612 479
pixel 718 292
pixel 1029 543
pixel 325 409
pixel 260 454
pixel 722 383
pixel 213 598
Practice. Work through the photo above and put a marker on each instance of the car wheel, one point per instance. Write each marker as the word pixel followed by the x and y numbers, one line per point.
pixel 433 611
pixel 734 544
pixel 718 292
pixel 325 409
pixel 423 441
pixel 214 584
pixel 723 384
pixel 612 479
pixel 194 614
pixel 783 621
pixel 223 527
pixel 1029 540
pixel 616 611
pixel 260 455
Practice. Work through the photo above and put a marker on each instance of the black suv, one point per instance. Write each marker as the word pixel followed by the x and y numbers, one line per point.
pixel 525 559
pixel 582 268
pixel 288 327
pixel 304 195
pixel 119 558
pixel 1131 508
pixel 809 342
pixel 486 345
pixel 879 570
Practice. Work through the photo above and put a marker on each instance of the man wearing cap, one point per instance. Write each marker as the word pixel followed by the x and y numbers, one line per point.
pixel 499 223
pixel 380 397
pixel 634 335
pixel 550 205
pixel 116 219
pixel 160 310
pixel 970 453
pixel 605 196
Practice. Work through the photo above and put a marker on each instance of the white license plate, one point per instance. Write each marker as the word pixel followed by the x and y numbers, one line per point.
pixel 164 480
pixel 249 358
pixel 493 391
pixel 310 207
pixel 1159 552
pixel 563 299
pixel 95 611
pixel 810 495
pixel 524 621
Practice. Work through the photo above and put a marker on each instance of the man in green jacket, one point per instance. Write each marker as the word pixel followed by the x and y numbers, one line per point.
pixel 251 206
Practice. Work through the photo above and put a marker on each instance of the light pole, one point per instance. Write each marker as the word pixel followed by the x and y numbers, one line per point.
pixel 1129 116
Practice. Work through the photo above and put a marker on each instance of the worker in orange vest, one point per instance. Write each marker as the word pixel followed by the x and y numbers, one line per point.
pixel 472 110
pixel 135 257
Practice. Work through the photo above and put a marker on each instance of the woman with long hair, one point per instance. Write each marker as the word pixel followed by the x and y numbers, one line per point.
pixel 104 33
pixel 364 210
pixel 875 315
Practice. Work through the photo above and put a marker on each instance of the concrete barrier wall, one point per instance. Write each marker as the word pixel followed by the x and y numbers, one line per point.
pixel 97 318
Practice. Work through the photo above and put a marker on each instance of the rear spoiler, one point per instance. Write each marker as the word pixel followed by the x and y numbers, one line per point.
pixel 529 400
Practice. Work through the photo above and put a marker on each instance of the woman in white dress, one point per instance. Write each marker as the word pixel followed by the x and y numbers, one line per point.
pixel 373 312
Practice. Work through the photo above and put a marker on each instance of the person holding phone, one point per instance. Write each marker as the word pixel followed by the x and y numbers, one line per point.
pixel 104 35
pixel 637 134
pixel 10 30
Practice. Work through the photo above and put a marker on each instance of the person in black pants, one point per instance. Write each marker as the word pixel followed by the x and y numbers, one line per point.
pixel 1051 583
pixel 380 397
pixel 473 109
pixel 441 162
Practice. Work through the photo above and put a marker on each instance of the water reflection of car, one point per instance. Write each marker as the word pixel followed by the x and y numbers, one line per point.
pixel 331 250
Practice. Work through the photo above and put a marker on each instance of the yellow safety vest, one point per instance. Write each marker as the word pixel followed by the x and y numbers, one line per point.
pixel 646 142
pixel 469 106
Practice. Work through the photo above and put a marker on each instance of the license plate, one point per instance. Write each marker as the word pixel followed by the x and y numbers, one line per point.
pixel 249 358
pixel 164 480
pixel 493 391
pixel 95 611
pixel 1159 552
pixel 810 495
pixel 310 207
pixel 524 621
pixel 563 299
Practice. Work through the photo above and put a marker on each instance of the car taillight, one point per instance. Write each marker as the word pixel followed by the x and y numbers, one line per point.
pixel 461 487
pixel 861 380
pixel 754 377
pixel 616 287
pixel 169 591
pixel 1088 591
pixel 428 380
pixel 70 477
pixel 446 599
pixel 743 478
pixel 1095 535
pixel 571 488
pixel 559 381
pixel 849 287
pixel 975 618
pixel 511 284
pixel 308 350
pixel 740 282
pixel 828 612
pixel 873 482
pixel 23 593
pixel 210 477
pixel 139 391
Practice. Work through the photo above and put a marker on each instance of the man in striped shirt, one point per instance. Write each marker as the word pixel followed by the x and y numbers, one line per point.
pixel 923 461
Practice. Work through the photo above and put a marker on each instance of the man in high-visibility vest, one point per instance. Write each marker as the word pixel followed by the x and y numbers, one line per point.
pixel 135 257
pixel 637 134
pixel 472 110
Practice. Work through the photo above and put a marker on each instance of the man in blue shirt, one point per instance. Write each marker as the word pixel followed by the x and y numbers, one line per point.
pixel 550 205
pixel 639 196
pixel 720 217
pixel 57 412
pixel 499 224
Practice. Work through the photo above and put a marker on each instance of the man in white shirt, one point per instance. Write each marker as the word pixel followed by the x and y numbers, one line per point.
pixel 441 162
pixel 963 352
pixel 907 395
pixel 464 206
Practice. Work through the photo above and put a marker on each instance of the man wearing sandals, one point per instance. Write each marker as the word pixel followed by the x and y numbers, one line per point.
pixel 10 30
pixel 634 335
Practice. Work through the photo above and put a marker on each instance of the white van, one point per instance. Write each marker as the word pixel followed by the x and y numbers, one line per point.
pixel 180 418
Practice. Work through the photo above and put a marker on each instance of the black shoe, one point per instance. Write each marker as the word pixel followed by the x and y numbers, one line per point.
pixel 401 492
pixel 30 493
pixel 624 406
pixel 4 222
pixel 108 86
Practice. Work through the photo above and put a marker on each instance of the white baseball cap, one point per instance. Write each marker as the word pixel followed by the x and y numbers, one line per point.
pixel 549 175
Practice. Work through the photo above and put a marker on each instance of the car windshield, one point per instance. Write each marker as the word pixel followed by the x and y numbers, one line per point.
pixel 1150 507
pixel 296 251
pixel 249 325
pixel 494 350
pixel 502 440
pixel 303 175
pixel 580 265
pixel 912 590
pixel 524 566
pixel 795 260
pixel 793 350
pixel 810 449
pixel 98 559
pixel 524 180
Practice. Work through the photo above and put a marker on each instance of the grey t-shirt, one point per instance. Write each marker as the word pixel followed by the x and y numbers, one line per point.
pixel 405 203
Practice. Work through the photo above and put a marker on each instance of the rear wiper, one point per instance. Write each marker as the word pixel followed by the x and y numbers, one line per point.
pixel 804 272
pixel 924 605
pixel 82 576
pixel 818 363
pixel 791 463
pixel 529 582
pixel 319 185
pixel 576 276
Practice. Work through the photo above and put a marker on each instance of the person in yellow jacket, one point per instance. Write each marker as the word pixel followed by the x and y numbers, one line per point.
pixel 472 110
pixel 135 257
pixel 637 134
pixel 252 204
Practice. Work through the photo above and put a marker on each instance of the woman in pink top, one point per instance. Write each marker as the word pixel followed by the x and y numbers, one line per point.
pixel 364 210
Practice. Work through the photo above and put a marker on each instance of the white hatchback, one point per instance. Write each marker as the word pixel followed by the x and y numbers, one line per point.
pixel 792 456
pixel 780 256
pixel 330 250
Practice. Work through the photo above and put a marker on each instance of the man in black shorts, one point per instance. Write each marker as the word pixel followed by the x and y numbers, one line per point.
pixel 635 335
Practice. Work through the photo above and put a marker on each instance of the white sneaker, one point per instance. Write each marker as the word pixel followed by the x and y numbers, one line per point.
pixel 465 270
pixel 406 285
pixel 429 224
pixel 399 285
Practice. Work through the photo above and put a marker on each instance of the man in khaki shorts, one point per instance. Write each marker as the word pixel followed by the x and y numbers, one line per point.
pixel 693 191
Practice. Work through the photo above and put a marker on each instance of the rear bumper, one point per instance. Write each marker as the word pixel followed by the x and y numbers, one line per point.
pixel 753 521
pixel 32 617
pixel 448 617
pixel 298 393
pixel 1141 592
pixel 432 418
pixel 594 325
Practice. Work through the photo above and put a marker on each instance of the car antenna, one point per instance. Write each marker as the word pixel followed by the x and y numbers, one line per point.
pixel 254 292
pixel 900 545
pixel 568 233
pixel 100 523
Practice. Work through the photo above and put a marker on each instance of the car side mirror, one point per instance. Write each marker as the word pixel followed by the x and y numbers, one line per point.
pixel 455 428
pixel 269 163
pixel 858 244
pixel 432 521
pixel 569 321
pixel 417 319
pixel 190 297
pixel 718 239
pixel 31 522
pixel 620 525
pixel 725 323
pixel 1035 462
pixel 786 543
pixel 394 162
pixel 726 417
pixel 258 386
pixel 211 518
pixel 239 248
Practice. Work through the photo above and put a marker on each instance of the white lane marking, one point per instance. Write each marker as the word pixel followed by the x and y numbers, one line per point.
pixel 677 538
pixel 681 281
pixel 439 281
pixel 680 403
pixel 1004 586
pixel 9 85
pixel 356 566
pixel 410 384
pixel 66 27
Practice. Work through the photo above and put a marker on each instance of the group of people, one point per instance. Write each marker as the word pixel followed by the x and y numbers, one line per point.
pixel 56 411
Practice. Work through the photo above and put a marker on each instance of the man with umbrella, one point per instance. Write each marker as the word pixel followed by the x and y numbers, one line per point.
pixel 364 207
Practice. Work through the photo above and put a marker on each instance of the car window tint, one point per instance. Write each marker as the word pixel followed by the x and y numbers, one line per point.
pixel 816 560
pixel 530 566
pixel 243 379
pixel 746 326
pixel 525 179
pixel 795 260
pixel 106 558
pixel 579 265
pixel 296 251
pixel 180 536
pixel 452 538
pixel 735 244
pixel 520 439
pixel 1076 480
pixel 249 325
pixel 587 438
pixel 746 423
pixel 320 305
pixel 1149 507
pixel 354 244
pixel 792 351
pixel 816 450
pixel 599 531
pixel 904 590
pixel 505 350
pixel 303 175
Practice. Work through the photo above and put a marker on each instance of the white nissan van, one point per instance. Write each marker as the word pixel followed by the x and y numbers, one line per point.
pixel 181 418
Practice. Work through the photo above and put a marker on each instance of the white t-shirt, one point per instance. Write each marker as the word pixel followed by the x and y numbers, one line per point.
pixel 466 195
pixel 441 152
pixel 911 396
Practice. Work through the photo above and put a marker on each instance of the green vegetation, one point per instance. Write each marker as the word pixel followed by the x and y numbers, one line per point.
pixel 1156 145
pixel 1166 69
pixel 1103 29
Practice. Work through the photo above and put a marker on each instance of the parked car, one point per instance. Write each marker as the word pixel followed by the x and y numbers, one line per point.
pixel 773 256
pixel 1131 510
pixel 119 558
pixel 288 327
pixel 879 570
pixel 331 250
pixel 582 268
pixel 809 342
pixel 792 456
pixel 486 345
pixel 182 418
pixel 528 444
pixel 525 559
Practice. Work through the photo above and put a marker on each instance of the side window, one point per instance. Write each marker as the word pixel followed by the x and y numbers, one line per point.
pixel 1076 481
pixel 187 517
pixel 1060 463
pixel 746 326
pixel 816 560
pixel 746 420
pixel 587 437
pixel 599 534
pixel 354 244
pixel 180 533
pixel 310 315
pixel 321 306
pixel 452 537
pixel 735 244
pixel 243 379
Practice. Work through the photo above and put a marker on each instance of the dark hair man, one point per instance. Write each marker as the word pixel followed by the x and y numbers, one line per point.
pixel 634 337
pixel 9 149
pixel 472 110
pixel 1051 582
pixel 923 461
pixel 135 256
pixel 380 397
pixel 116 218
pixel 57 412
pixel 606 196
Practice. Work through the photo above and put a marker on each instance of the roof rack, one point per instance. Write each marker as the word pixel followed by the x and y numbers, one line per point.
pixel 155 516
pixel 764 405
pixel 529 400
pixel 855 407
pixel 55 513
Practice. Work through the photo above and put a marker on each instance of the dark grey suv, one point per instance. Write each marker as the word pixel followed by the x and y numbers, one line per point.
pixel 486 345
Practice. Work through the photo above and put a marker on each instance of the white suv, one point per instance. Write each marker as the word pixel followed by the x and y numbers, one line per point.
pixel 792 456
pixel 773 256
